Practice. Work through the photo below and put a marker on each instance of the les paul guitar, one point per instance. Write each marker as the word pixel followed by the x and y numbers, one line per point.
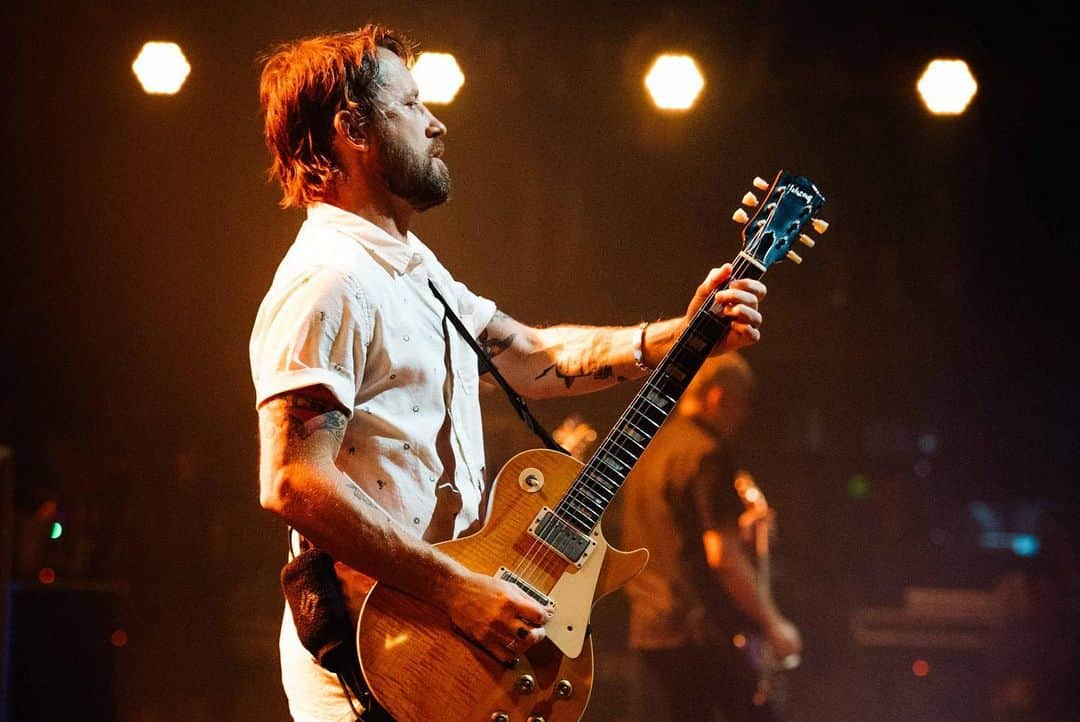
pixel 542 533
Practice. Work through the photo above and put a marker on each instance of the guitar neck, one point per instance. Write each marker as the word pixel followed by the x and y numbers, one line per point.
pixel 602 476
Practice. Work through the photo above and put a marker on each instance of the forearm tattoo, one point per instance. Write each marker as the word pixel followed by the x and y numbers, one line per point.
pixel 570 376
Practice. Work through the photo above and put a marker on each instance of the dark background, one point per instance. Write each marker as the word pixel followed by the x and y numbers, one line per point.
pixel 139 237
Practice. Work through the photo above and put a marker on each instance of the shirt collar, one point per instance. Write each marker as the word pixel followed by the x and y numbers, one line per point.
pixel 400 256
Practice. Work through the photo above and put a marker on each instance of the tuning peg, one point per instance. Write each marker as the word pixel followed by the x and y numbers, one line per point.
pixel 820 226
pixel 794 257
pixel 740 216
pixel 750 200
pixel 760 183
pixel 806 240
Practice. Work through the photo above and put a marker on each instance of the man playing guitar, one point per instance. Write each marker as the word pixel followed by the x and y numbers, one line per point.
pixel 699 586
pixel 369 415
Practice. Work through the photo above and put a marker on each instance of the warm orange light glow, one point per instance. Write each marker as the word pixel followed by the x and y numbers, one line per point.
pixel 161 68
pixel 947 86
pixel 739 640
pixel 920 668
pixel 46 575
pixel 674 82
pixel 714 548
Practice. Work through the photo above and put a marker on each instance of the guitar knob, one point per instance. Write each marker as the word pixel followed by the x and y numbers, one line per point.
pixel 536 718
pixel 806 240
pixel 740 216
pixel 750 200
pixel 760 183
pixel 820 226
pixel 500 717
pixel 794 257
pixel 526 683
pixel 564 689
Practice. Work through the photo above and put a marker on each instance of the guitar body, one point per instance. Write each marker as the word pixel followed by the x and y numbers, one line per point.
pixel 422 670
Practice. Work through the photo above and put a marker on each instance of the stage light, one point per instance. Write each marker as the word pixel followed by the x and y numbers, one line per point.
pixel 674 82
pixel 46 575
pixel 56 531
pixel 161 68
pixel 947 86
pixel 920 668
pixel 119 638
pixel 438 76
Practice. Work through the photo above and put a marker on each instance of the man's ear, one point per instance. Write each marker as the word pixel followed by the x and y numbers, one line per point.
pixel 352 129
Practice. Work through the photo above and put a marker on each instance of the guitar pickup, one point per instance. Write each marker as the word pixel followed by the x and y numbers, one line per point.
pixel 508 576
pixel 560 536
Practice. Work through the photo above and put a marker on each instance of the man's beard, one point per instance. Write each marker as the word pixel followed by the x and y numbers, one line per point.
pixel 414 176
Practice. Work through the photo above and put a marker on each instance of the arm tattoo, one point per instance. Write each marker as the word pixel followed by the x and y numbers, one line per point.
pixel 604 372
pixel 327 416
pixel 495 346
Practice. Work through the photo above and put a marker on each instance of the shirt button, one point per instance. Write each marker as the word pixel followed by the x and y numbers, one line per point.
pixel 416 520
pixel 393 376
pixel 416 408
pixel 406 338
pixel 406 447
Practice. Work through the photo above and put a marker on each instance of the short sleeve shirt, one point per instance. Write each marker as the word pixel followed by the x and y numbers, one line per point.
pixel 350 309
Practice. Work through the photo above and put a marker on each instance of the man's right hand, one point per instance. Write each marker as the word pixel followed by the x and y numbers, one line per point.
pixel 497 615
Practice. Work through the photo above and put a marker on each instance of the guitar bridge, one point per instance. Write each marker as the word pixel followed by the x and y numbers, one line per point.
pixel 508 576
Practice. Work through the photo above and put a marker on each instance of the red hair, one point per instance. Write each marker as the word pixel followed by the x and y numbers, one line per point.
pixel 303 86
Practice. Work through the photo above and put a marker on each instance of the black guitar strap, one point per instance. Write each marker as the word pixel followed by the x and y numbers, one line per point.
pixel 487 366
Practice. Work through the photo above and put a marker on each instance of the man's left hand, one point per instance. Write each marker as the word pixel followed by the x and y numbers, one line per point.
pixel 739 302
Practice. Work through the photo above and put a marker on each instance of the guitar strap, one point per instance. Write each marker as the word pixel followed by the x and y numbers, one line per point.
pixel 487 366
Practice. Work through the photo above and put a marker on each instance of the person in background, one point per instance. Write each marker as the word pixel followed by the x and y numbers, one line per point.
pixel 699 584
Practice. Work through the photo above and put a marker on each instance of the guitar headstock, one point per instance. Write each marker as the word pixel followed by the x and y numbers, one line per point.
pixel 790 203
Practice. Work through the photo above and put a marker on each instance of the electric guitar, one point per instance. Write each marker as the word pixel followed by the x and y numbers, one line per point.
pixel 757 524
pixel 543 534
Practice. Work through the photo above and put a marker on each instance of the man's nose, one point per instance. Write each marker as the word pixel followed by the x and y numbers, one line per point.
pixel 435 127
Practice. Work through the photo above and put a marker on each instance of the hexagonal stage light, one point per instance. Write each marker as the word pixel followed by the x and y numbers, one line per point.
pixel 161 68
pixel 674 82
pixel 438 76
pixel 947 86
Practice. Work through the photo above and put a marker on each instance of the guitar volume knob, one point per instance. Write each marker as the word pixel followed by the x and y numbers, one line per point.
pixel 536 718
pixel 564 689
pixel 526 683
pixel 500 717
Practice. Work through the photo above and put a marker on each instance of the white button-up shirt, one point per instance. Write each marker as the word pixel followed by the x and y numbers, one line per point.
pixel 350 309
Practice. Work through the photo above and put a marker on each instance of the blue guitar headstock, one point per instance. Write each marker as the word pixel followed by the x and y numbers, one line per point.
pixel 790 202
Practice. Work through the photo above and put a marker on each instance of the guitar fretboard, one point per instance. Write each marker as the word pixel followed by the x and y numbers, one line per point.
pixel 603 475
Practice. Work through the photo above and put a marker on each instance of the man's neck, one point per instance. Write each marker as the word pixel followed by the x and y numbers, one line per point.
pixel 387 211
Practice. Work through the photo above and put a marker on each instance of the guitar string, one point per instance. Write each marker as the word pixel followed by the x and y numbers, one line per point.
pixel 530 567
